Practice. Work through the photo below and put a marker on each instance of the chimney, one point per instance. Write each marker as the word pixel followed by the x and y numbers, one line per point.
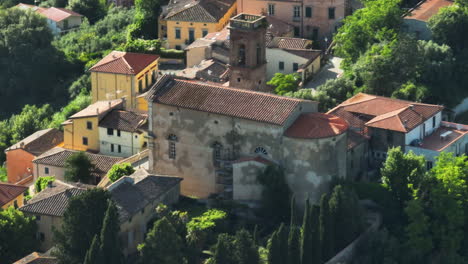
pixel 21 144
pixel 110 104
pixel 97 111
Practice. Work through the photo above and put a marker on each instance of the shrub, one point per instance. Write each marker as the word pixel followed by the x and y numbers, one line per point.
pixel 119 170
pixel 42 182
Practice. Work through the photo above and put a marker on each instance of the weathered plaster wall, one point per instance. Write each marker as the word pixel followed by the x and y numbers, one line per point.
pixel 310 165
pixel 246 186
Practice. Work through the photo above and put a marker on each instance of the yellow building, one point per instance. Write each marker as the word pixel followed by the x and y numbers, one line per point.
pixel 11 195
pixel 183 21
pixel 123 75
pixel 81 131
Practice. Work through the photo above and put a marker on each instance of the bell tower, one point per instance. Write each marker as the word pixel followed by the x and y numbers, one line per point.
pixel 248 56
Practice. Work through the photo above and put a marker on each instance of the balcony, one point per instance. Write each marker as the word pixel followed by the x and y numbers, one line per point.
pixel 248 22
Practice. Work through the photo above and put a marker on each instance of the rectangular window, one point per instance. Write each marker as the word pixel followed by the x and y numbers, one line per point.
pixel 204 32
pixel 112 147
pixel 281 65
pixel 296 11
pixel 295 67
pixel 389 137
pixel 172 150
pixel 119 149
pixel 315 33
pixel 85 141
pixel 153 76
pixel 118 133
pixel 140 86
pixel 191 34
pixel 110 131
pixel 331 13
pixel 308 11
pixel 89 125
pixel 433 121
pixel 297 32
pixel 46 170
pixel 271 9
pixel 177 33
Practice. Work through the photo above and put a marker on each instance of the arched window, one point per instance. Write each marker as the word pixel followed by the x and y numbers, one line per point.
pixel 241 54
pixel 261 151
pixel 172 146
pixel 217 148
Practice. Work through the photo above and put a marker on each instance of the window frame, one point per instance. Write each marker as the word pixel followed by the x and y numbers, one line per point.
pixel 281 65
pixel 172 151
pixel 89 125
pixel 271 9
pixel 177 33
pixel 110 131
pixel 308 11
pixel 295 66
pixel 296 11
pixel 332 12
pixel 46 170
pixel 85 141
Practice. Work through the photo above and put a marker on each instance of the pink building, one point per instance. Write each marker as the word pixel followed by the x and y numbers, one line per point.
pixel 312 19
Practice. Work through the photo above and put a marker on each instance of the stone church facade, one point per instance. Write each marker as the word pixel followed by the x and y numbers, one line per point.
pixel 212 136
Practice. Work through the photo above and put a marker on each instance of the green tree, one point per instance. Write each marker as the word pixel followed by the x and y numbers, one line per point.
pixel 285 83
pixel 377 21
pixel 246 251
pixel 275 194
pixel 450 26
pixel 119 170
pixel 347 217
pixel 411 92
pixel 294 247
pixel 274 251
pixel 31 119
pixel 32 70
pixel 402 173
pixel 78 167
pixel 146 20
pixel 316 252
pixel 326 229
pixel 307 239
pixel 42 182
pixel 79 103
pixel 110 248
pixel 93 255
pixel 82 221
pixel 17 235
pixel 419 241
pixel 92 9
pixel 162 245
pixel 224 251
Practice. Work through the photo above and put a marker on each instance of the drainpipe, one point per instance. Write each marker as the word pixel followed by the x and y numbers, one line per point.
pixel 302 18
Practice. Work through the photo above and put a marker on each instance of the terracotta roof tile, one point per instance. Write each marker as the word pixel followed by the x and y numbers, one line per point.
pixel 58 14
pixel 100 108
pixel 375 111
pixel 123 120
pixel 58 156
pixel 289 43
pixel 37 258
pixel 427 9
pixel 124 63
pixel 316 125
pixel 453 132
pixel 210 11
pixel 40 141
pixel 277 27
pixel 9 192
pixel 256 106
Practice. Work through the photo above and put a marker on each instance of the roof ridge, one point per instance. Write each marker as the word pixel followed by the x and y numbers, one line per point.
pixel 105 63
pixel 126 63
pixel 195 3
pixel 208 11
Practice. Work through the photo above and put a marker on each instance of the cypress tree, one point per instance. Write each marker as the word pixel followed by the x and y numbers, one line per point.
pixel 110 246
pixel 93 255
pixel 274 250
pixel 255 235
pixel 293 211
pixel 294 251
pixel 246 251
pixel 307 245
pixel 326 229
pixel 224 251
pixel 283 244
pixel 316 252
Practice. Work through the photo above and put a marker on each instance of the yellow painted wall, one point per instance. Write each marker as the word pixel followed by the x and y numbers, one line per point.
pixel 109 86
pixel 142 104
pixel 19 200
pixel 74 133
pixel 197 26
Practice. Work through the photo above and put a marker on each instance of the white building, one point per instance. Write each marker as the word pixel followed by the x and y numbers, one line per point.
pixel 292 55
pixel 123 133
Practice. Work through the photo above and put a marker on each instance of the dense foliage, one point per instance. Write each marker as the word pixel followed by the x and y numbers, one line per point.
pixel 82 221
pixel 91 9
pixel 78 168
pixel 32 70
pixel 42 182
pixel 146 20
pixel 119 170
pixel 285 83
pixel 17 236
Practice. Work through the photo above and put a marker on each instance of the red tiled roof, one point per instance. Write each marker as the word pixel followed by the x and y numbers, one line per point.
pixel 427 9
pixel 124 63
pixel 381 112
pixel 99 108
pixel 40 141
pixel 58 14
pixel 200 96
pixel 37 258
pixel 124 120
pixel 316 125
pixel 289 43
pixel 9 192
pixel 436 143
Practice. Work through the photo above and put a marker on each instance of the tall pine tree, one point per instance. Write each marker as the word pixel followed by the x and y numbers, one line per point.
pixel 294 249
pixel 245 249
pixel 307 245
pixel 316 252
pixel 93 255
pixel 224 251
pixel 274 250
pixel 326 229
pixel 283 243
pixel 111 251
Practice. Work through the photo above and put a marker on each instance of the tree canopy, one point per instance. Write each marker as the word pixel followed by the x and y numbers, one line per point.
pixel 285 83
pixel 119 170
pixel 78 168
